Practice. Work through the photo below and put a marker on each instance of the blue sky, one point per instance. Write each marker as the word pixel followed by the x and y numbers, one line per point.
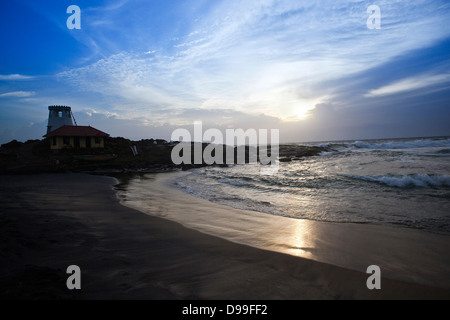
pixel 313 69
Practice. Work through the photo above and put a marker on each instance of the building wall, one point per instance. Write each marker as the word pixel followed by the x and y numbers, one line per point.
pixel 58 117
pixel 57 143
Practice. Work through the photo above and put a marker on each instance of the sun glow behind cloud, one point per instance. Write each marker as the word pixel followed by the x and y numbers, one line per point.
pixel 259 57
pixel 160 63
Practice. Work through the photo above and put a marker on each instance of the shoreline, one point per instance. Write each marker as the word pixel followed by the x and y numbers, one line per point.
pixel 403 254
pixel 51 221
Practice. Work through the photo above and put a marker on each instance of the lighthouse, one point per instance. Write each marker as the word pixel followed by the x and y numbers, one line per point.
pixel 59 116
pixel 64 133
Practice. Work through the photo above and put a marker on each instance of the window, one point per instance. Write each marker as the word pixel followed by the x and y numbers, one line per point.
pixel 66 140
pixel 97 140
pixel 76 142
pixel 54 141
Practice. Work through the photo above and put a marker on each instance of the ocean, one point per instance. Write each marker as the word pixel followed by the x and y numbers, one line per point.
pixel 397 182
pixel 354 204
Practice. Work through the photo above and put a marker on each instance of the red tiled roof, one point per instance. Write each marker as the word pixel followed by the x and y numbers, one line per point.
pixel 76 131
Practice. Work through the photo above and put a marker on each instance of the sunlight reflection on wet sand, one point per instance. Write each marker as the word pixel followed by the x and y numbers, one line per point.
pixel 404 254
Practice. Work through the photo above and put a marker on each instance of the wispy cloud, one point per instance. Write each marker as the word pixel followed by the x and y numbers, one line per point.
pixel 17 94
pixel 11 77
pixel 409 84
pixel 267 56
pixel 233 62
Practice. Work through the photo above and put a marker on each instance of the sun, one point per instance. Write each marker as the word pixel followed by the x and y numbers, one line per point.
pixel 301 108
pixel 301 113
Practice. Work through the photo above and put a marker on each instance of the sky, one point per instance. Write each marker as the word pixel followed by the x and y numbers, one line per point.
pixel 315 70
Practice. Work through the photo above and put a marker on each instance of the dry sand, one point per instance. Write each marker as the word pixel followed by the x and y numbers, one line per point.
pixel 51 221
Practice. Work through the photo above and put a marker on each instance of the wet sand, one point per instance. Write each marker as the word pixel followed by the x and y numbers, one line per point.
pixel 402 253
pixel 51 221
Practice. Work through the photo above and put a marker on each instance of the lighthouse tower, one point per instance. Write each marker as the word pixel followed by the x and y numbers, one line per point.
pixel 59 116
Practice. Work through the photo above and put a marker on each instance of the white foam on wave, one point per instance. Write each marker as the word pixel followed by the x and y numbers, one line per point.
pixel 232 182
pixel 386 145
pixel 423 143
pixel 414 180
pixel 325 145
pixel 327 153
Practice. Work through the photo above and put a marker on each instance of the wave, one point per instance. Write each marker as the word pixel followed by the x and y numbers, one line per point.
pixel 232 182
pixel 388 145
pixel 408 181
pixel 327 153
pixel 401 144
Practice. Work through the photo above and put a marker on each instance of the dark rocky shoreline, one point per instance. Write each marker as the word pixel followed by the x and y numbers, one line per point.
pixel 35 156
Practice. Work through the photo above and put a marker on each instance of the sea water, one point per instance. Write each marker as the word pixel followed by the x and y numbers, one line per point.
pixel 359 203
pixel 397 182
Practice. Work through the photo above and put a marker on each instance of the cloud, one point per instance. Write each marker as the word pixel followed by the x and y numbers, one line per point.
pixel 10 77
pixel 248 64
pixel 409 84
pixel 267 57
pixel 18 94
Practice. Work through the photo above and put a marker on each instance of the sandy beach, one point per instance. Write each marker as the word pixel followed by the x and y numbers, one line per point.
pixel 51 221
pixel 402 253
